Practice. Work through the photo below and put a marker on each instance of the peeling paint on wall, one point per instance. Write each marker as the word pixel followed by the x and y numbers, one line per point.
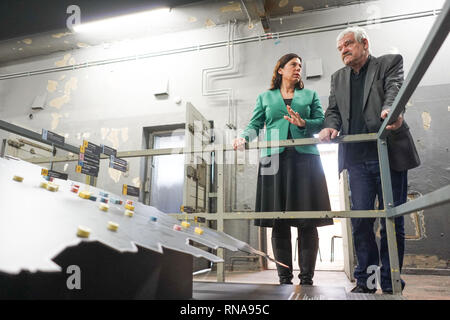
pixel 209 23
pixel 52 85
pixel 104 132
pixel 231 7
pixel 59 102
pixel 283 3
pixel 124 134
pixel 63 62
pixel 114 174
pixel 137 182
pixel 55 120
pixel 297 9
pixel 192 19
pixel 60 35
pixel 70 85
pixel 426 120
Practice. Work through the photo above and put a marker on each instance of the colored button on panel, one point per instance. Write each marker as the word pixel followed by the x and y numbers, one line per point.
pixel 185 224
pixel 84 194
pixel 129 207
pixel 74 189
pixel 177 227
pixel 129 213
pixel 103 207
pixel 83 232
pixel 198 230
pixel 52 187
pixel 18 178
pixel 113 226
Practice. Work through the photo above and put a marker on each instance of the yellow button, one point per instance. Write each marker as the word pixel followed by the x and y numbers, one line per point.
pixel 85 194
pixel 83 232
pixel 129 207
pixel 129 213
pixel 198 230
pixel 185 224
pixel 103 207
pixel 113 226
pixel 52 187
pixel 18 178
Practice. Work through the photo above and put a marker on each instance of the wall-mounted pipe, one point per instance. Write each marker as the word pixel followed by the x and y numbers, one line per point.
pixel 229 66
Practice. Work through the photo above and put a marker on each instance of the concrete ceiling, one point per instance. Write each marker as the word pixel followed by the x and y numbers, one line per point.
pixel 28 30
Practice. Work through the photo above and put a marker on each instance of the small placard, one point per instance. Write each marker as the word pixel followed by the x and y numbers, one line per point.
pixel 118 164
pixel 108 150
pixel 117 167
pixel 89 159
pixel 91 149
pixel 52 137
pixel 130 191
pixel 54 174
pixel 90 171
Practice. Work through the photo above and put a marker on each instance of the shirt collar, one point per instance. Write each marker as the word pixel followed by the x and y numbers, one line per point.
pixel 364 67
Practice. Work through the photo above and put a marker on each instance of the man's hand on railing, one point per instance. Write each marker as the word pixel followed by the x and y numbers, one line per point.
pixel 327 134
pixel 394 126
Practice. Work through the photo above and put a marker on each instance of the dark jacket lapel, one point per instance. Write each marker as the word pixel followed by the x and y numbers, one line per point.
pixel 346 92
pixel 371 70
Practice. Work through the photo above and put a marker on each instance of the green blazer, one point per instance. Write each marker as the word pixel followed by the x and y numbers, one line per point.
pixel 270 110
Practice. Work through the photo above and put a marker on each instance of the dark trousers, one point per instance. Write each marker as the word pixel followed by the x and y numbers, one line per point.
pixel 308 246
pixel 365 185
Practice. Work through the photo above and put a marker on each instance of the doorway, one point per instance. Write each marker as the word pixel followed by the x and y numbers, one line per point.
pixel 165 173
pixel 331 253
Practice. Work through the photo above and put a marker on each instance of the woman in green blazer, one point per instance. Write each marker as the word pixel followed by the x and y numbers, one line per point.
pixel 289 179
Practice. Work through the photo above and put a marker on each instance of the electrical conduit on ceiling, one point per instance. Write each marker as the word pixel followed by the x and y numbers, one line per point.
pixel 211 45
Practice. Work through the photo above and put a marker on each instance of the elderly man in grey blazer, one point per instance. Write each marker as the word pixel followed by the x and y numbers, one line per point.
pixel 361 95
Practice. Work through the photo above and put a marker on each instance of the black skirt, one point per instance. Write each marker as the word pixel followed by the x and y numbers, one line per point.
pixel 292 181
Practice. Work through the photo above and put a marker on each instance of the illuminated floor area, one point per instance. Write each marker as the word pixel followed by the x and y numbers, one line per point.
pixel 418 287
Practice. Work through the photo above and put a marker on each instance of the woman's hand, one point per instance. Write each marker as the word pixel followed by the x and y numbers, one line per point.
pixel 294 118
pixel 239 143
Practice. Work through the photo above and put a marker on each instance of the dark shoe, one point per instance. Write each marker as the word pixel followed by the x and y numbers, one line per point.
pixel 306 282
pixel 389 291
pixel 285 281
pixel 361 289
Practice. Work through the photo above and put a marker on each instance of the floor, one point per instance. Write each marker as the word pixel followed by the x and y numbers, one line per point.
pixel 418 287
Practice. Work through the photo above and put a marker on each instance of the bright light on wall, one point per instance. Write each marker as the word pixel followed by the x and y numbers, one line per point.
pixel 137 21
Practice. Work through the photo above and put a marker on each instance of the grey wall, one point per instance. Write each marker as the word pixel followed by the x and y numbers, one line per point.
pixel 111 104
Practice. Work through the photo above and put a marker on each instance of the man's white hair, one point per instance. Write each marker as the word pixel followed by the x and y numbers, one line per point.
pixel 358 32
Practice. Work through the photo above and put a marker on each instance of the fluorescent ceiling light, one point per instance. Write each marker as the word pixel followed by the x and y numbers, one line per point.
pixel 136 21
